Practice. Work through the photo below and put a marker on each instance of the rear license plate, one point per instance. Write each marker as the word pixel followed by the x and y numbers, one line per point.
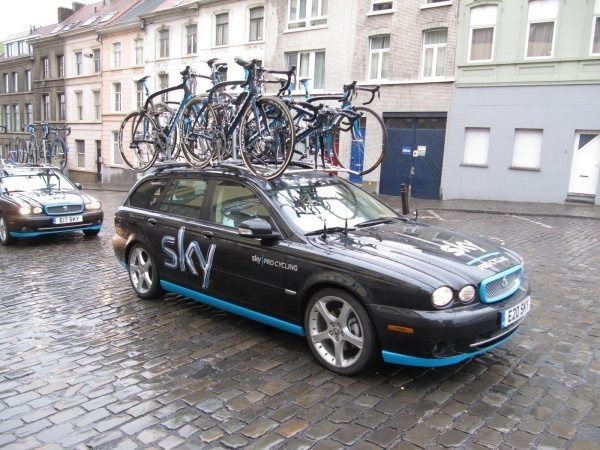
pixel 67 219
pixel 511 315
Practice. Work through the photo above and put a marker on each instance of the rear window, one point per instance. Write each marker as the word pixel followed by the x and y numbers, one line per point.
pixel 184 197
pixel 147 194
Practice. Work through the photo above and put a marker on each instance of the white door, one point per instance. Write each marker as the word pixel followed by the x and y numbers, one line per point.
pixel 586 160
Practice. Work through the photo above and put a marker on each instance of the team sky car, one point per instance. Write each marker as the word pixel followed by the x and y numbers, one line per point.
pixel 35 201
pixel 316 256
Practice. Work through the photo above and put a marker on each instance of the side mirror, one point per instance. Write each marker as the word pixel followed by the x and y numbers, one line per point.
pixel 257 228
pixel 78 186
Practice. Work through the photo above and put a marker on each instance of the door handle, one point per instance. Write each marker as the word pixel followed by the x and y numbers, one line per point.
pixel 207 234
pixel 152 222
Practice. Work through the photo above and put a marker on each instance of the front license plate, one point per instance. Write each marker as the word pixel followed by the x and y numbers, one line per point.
pixel 67 219
pixel 511 315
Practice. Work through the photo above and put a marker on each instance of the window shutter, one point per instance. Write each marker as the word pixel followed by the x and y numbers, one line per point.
pixel 477 143
pixel 528 149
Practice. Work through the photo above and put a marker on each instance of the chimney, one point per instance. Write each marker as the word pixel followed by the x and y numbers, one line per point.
pixel 77 6
pixel 64 13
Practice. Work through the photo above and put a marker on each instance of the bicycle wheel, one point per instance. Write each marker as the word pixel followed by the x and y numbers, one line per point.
pixel 22 146
pixel 361 142
pixel 163 114
pixel 267 141
pixel 138 141
pixel 197 130
pixel 58 154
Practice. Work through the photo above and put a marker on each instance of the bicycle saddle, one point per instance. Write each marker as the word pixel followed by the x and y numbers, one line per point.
pixel 304 79
pixel 246 64
pixel 211 61
pixel 143 79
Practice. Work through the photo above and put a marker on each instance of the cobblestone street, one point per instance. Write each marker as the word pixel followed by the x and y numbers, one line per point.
pixel 86 364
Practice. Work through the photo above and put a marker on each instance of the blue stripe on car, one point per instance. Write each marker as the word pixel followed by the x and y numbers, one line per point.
pixel 26 234
pixel 232 308
pixel 407 360
pixel 482 257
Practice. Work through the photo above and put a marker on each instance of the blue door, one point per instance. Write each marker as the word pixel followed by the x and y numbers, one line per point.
pixel 414 156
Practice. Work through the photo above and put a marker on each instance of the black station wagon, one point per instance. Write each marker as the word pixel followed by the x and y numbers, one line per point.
pixel 314 255
pixel 37 201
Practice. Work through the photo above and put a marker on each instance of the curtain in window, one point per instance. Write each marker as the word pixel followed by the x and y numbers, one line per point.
pixel 596 44
pixel 540 39
pixel 319 70
pixel 428 62
pixel 481 43
pixel 380 42
pixel 436 37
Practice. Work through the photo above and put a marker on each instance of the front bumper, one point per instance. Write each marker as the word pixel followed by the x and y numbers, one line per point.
pixel 41 225
pixel 440 338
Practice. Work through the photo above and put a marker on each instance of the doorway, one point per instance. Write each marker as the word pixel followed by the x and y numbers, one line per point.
pixel 586 161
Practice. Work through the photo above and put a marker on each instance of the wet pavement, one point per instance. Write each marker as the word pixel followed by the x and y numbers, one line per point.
pixel 86 364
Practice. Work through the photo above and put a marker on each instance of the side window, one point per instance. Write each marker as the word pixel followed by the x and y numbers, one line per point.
pixel 147 194
pixel 233 203
pixel 184 197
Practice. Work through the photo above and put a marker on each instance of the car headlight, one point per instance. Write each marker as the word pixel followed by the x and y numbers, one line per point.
pixel 25 210
pixel 93 205
pixel 37 210
pixel 467 294
pixel 442 297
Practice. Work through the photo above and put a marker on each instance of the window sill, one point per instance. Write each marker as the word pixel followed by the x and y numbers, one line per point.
pixel 414 81
pixel 381 13
pixel 260 41
pixel 479 166
pixel 436 5
pixel 538 58
pixel 527 169
pixel 221 46
pixel 296 30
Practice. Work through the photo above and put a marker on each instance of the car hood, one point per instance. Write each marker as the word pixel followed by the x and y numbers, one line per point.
pixel 49 197
pixel 443 256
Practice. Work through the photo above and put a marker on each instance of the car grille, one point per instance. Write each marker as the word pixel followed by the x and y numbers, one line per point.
pixel 501 285
pixel 64 209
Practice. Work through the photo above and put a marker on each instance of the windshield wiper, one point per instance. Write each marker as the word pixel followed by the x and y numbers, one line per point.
pixel 328 230
pixel 383 219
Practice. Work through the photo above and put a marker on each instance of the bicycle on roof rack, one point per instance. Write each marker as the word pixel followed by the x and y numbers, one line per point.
pixel 348 138
pixel 261 125
pixel 47 148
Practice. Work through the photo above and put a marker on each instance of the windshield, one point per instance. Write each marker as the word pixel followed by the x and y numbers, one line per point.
pixel 34 181
pixel 312 207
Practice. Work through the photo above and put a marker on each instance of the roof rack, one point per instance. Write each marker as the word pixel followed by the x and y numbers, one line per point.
pixel 157 168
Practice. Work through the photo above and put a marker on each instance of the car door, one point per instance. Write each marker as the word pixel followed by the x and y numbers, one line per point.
pixel 245 270
pixel 177 233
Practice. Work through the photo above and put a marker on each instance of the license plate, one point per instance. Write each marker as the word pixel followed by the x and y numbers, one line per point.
pixel 67 219
pixel 511 315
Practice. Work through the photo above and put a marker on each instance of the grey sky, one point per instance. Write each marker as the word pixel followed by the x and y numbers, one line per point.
pixel 17 15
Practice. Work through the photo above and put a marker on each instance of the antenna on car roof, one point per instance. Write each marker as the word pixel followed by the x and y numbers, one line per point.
pixel 324 229
pixel 346 224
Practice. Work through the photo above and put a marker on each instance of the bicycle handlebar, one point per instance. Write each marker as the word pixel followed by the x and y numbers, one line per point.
pixel 2 127
pixel 371 91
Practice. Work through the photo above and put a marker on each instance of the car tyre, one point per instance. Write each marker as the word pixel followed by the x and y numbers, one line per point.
pixel 91 232
pixel 143 273
pixel 5 237
pixel 339 332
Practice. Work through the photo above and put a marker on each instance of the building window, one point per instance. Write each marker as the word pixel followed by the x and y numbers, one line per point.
pixel 61 106
pixel 528 149
pixel 256 24
pixel 45 68
pixel 6 82
pixel 97 67
pixel 116 55
pixel 309 64
pixel 138 46
pixel 78 63
pixel 222 29
pixel 117 159
pixel 595 46
pixel 60 62
pixel 191 39
pixel 79 105
pixel 481 38
pixel 163 83
pixel 80 145
pixel 163 43
pixel 434 52
pixel 16 117
pixel 541 22
pixel 15 77
pixel 381 5
pixel 139 94
pixel 97 105
pixel 117 97
pixel 28 80
pixel 378 59
pixel 7 121
pixel 28 112
pixel 46 107
pixel 477 144
pixel 306 13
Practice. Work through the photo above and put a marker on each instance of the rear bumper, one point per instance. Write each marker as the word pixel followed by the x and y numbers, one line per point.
pixel 440 338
